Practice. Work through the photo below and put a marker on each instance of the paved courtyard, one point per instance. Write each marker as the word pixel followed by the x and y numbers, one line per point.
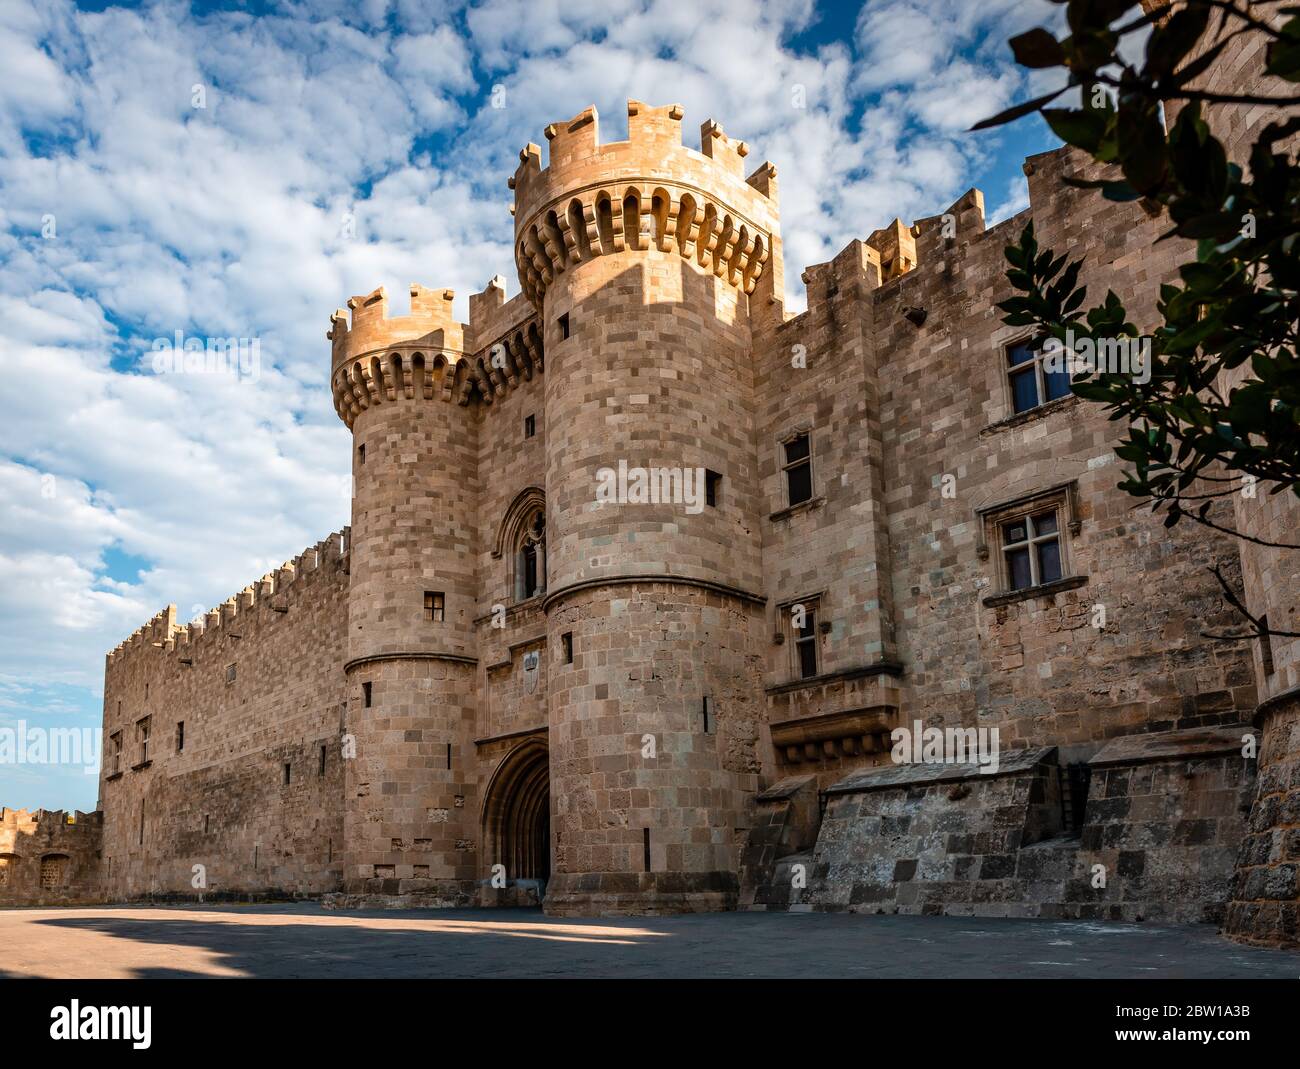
pixel 303 940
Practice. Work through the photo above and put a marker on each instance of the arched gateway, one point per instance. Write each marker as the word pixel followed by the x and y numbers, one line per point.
pixel 517 815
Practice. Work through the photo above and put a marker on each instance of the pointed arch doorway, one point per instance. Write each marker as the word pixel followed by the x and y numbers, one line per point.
pixel 517 815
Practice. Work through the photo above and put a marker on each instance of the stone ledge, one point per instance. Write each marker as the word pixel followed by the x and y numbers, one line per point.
pixel 1009 597
pixel 888 668
pixel 1030 415
pixel 1171 746
pixel 783 789
pixel 912 775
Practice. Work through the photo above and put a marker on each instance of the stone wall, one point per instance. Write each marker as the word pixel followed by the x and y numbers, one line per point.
pixel 252 792
pixel 1165 816
pixel 50 858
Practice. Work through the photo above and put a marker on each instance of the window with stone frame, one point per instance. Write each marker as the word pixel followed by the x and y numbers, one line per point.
pixel 1030 384
pixel 797 465
pixel 1029 539
pixel 801 636
pixel 115 753
pixel 142 728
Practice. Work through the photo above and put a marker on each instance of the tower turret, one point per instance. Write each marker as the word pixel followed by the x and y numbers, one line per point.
pixel 648 261
pixel 412 596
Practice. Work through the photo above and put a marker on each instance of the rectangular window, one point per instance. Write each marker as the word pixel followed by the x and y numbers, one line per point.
pixel 321 770
pixel 712 488
pixel 1265 647
pixel 180 736
pixel 365 694
pixel 1030 382
pixel 288 773
pixel 115 750
pixel 530 426
pixel 798 469
pixel 435 606
pixel 567 638
pixel 706 713
pixel 563 324
pixel 361 453
pixel 1031 550
pixel 207 823
pixel 801 629
pixel 230 673
pixel 142 738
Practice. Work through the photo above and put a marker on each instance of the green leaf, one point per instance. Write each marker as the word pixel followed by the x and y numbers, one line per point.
pixel 1037 49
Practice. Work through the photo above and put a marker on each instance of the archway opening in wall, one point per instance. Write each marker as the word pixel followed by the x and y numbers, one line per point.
pixel 517 815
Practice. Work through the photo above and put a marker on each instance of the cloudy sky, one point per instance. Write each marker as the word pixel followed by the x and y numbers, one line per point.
pixel 338 147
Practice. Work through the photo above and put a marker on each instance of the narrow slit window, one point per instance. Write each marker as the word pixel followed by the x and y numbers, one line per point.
pixel 567 639
pixel 712 488
pixel 180 736
pixel 321 770
pixel 563 323
pixel 1265 647
pixel 288 773
pixel 365 694
pixel 361 453
pixel 530 426
pixel 805 640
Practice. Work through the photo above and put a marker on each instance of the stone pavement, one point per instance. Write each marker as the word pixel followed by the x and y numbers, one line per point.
pixel 303 940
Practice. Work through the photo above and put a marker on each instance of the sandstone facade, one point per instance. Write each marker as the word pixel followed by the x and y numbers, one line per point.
pixel 499 685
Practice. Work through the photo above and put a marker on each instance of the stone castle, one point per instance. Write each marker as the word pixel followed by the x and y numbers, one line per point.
pixel 644 570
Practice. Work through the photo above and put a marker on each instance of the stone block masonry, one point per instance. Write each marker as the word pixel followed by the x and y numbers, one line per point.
pixel 496 687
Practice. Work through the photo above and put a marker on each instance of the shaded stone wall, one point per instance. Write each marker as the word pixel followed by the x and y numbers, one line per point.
pixel 50 858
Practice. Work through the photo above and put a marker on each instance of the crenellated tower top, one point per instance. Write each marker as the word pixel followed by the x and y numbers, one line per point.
pixel 650 190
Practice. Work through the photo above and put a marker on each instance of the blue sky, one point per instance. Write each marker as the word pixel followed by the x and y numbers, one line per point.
pixel 342 146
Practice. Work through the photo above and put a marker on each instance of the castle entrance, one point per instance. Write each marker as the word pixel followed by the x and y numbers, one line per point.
pixel 517 816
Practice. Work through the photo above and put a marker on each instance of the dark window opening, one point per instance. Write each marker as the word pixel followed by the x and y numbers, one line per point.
pixel 1074 795
pixel 645 841
pixel 435 606
pixel 449 755
pixel 1031 547
pixel 1265 646
pixel 712 487
pixel 798 469
pixel 361 454
pixel 180 735
pixel 207 823
pixel 321 770
pixel 530 426
pixel 1031 383
pixel 365 694
pixel 288 773
pixel 803 622
pixel 231 673
pixel 708 722
pixel 563 324
pixel 530 570
pixel 567 639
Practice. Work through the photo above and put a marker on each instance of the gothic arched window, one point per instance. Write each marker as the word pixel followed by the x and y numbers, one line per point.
pixel 530 556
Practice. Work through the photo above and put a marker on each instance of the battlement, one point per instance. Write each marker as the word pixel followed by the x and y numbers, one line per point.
pixel 595 199
pixel 32 820
pixel 429 354
pixel 276 589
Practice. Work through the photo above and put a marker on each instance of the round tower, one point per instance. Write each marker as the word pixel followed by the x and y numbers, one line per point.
pixel 641 257
pixel 399 384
